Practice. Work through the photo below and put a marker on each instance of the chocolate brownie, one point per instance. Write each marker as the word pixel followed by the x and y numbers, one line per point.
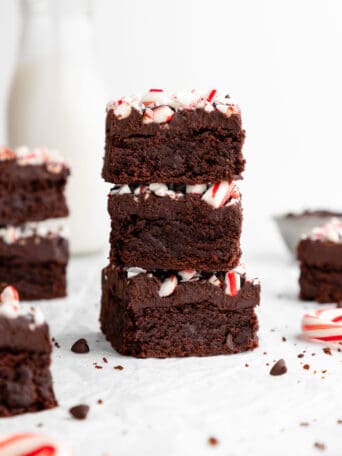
pixel 170 227
pixel 178 313
pixel 25 350
pixel 320 257
pixel 185 138
pixel 34 257
pixel 32 184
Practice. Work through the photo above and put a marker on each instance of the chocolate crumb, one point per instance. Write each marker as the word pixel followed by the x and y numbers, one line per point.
pixel 284 339
pixel 327 351
pixel 213 441
pixel 55 343
pixel 319 446
pixel 79 412
pixel 304 424
pixel 301 355
pixel 339 421
pixel 306 366
pixel 313 354
pixel 120 368
pixel 265 353
pixel 246 365
pixel 100 401
pixel 279 368
pixel 98 367
pixel 80 346
pixel 39 425
pixel 324 371
pixel 105 360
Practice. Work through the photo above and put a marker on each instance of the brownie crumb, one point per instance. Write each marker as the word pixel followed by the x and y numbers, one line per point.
pixel 319 446
pixel 98 367
pixel 339 421
pixel 279 368
pixel 79 412
pixel 306 366
pixel 55 343
pixel 80 346
pixel 246 365
pixel 304 424
pixel 327 351
pixel 120 368
pixel 100 401
pixel 39 425
pixel 213 441
pixel 301 355
pixel 324 371
pixel 105 360
pixel 284 339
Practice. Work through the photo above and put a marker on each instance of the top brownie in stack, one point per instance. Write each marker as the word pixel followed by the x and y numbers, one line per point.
pixel 32 185
pixel 186 138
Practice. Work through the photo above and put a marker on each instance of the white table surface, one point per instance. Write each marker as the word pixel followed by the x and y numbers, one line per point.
pixel 171 407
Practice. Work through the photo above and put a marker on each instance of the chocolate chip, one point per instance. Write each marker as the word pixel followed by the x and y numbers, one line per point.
pixel 279 368
pixel 319 446
pixel 79 412
pixel 80 346
pixel 120 368
pixel 213 441
pixel 327 351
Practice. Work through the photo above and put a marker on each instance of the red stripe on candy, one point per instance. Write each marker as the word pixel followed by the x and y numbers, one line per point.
pixel 45 450
pixel 329 338
pixel 14 438
pixel 232 283
pixel 336 319
pixel 215 188
pixel 156 90
pixel 211 95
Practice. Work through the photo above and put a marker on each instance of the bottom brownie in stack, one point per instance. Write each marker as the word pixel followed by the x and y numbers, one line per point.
pixel 178 313
pixel 25 350
pixel 34 257
pixel 320 257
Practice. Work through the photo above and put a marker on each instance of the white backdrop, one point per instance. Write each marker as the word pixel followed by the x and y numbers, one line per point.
pixel 281 60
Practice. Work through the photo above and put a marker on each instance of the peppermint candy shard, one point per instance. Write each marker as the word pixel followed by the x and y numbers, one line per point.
pixel 214 280
pixel 133 272
pixel 122 110
pixel 9 295
pixel 197 189
pixel 168 286
pixel 219 193
pixel 323 324
pixel 232 281
pixel 187 274
pixel 6 154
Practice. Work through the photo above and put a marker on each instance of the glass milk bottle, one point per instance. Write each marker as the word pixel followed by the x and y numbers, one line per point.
pixel 57 100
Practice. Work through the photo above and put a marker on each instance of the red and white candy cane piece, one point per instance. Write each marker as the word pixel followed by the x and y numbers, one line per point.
pixel 323 324
pixel 197 189
pixel 162 114
pixel 168 286
pixel 30 444
pixel 215 281
pixel 218 194
pixel 122 109
pixel 154 97
pixel 233 283
pixel 6 153
pixel 187 274
pixel 9 295
pixel 211 95
pixel 158 189
pixel 228 110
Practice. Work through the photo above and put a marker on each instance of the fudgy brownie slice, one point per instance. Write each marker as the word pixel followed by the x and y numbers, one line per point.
pixel 171 227
pixel 32 184
pixel 184 138
pixel 34 257
pixel 178 313
pixel 320 257
pixel 25 349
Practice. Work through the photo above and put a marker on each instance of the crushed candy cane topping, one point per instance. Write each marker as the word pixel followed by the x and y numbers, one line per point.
pixel 158 106
pixel 37 156
pixel 331 231
pixel 46 229
pixel 216 195
pixel 231 281
pixel 10 308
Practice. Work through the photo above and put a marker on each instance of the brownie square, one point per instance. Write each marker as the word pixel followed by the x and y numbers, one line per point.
pixel 25 356
pixel 320 257
pixel 34 260
pixel 32 184
pixel 178 313
pixel 187 138
pixel 167 227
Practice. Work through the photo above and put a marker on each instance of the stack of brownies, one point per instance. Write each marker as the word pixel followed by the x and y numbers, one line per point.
pixel 33 246
pixel 174 285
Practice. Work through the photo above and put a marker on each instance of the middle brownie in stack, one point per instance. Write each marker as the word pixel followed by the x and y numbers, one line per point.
pixel 173 287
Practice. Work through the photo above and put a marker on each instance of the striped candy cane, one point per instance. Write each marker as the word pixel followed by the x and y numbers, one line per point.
pixel 323 324
pixel 30 444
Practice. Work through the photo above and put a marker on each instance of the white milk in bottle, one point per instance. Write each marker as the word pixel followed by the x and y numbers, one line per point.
pixel 57 100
